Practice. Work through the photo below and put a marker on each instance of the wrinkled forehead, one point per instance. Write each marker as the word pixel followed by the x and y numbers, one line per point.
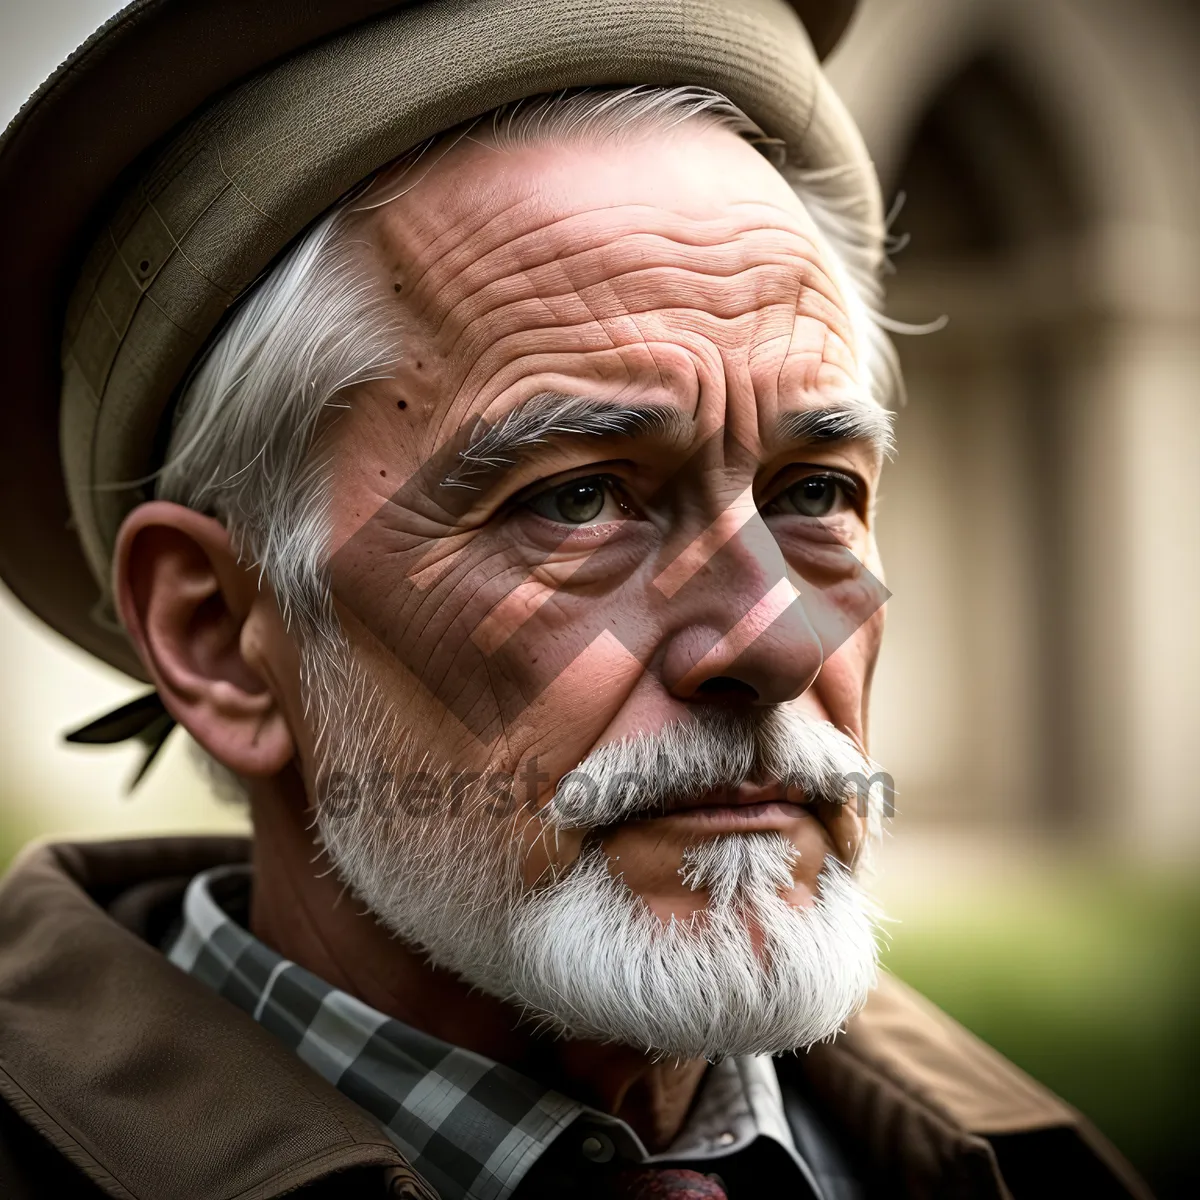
pixel 695 168
pixel 666 268
pixel 469 203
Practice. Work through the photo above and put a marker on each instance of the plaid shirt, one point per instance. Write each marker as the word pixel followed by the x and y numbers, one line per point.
pixel 469 1126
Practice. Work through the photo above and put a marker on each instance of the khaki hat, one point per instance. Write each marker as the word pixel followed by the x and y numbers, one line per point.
pixel 171 159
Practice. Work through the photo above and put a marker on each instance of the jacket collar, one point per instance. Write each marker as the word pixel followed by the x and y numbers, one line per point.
pixel 142 1077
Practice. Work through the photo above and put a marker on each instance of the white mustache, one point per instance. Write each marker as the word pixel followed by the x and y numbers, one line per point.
pixel 714 749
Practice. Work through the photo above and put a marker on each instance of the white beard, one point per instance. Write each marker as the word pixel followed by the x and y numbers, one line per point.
pixel 583 955
pixel 592 959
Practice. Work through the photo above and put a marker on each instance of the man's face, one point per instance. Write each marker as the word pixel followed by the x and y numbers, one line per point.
pixel 621 482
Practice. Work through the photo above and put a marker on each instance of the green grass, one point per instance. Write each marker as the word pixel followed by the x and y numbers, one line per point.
pixel 1089 985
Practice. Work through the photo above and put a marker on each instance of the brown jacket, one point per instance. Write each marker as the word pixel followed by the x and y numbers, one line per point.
pixel 122 1076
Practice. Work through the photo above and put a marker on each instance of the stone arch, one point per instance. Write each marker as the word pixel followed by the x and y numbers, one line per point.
pixel 1116 79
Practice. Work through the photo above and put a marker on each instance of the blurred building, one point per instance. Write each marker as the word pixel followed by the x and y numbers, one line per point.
pixel 1041 525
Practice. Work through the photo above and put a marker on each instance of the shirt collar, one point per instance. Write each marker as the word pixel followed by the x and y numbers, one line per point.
pixel 470 1126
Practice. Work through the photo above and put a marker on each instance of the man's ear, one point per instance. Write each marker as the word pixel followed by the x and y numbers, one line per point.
pixel 209 634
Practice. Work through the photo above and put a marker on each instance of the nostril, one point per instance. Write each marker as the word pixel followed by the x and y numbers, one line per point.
pixel 725 687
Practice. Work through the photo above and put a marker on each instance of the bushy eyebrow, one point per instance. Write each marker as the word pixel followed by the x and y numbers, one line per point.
pixel 866 423
pixel 493 450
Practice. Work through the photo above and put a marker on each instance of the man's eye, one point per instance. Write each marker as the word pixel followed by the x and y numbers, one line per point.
pixel 814 496
pixel 579 502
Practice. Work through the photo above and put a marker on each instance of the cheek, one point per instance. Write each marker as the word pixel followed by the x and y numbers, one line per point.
pixel 843 681
pixel 527 696
pixel 573 707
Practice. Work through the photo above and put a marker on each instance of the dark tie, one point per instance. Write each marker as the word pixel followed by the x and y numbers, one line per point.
pixel 646 1183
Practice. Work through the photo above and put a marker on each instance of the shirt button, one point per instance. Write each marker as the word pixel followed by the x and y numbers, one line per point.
pixel 726 1139
pixel 399 1182
pixel 597 1148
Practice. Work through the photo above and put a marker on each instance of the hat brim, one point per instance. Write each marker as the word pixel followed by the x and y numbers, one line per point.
pixel 63 160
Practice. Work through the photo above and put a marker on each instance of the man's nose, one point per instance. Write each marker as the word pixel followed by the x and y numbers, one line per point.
pixel 739 631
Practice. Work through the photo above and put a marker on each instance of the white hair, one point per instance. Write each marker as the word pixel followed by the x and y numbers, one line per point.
pixel 316 325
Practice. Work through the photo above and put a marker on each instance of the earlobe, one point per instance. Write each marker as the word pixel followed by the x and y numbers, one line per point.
pixel 210 636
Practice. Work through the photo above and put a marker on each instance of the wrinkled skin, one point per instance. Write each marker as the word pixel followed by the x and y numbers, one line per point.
pixel 677 271
pixel 638 275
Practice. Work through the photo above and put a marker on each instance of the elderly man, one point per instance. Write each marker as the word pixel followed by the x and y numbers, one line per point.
pixel 472 414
